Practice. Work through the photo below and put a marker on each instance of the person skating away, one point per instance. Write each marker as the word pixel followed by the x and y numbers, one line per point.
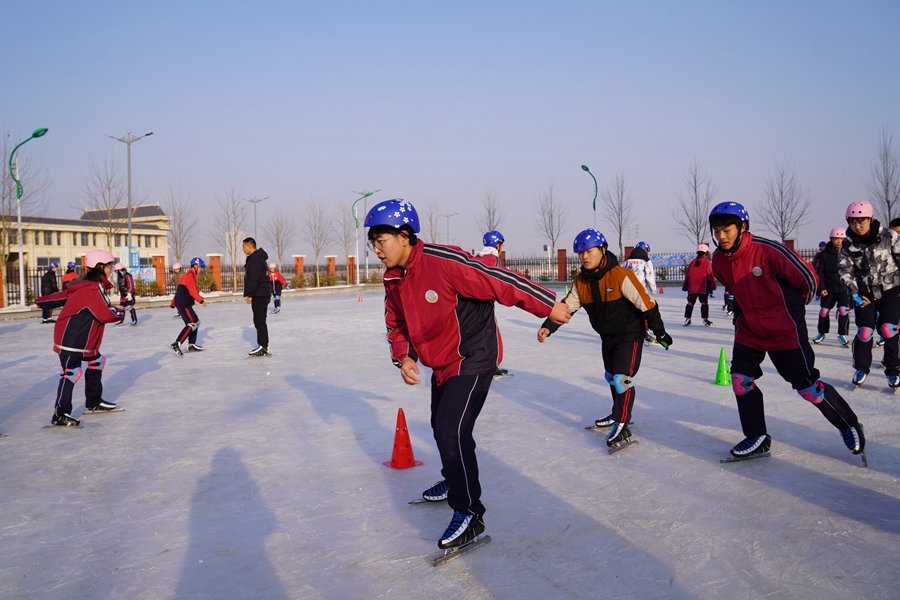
pixel 832 290
pixel 869 270
pixel 815 259
pixel 639 263
pixel 125 284
pixel 78 334
pixel 186 294
pixel 173 280
pixel 276 280
pixel 490 254
pixel 728 307
pixel 439 309
pixel 256 291
pixel 49 286
pixel 70 275
pixel 772 286
pixel 698 283
pixel 619 309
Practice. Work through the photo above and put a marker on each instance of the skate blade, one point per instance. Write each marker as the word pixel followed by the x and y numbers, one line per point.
pixel 865 462
pixel 451 553
pixel 169 348
pixel 62 427
pixel 732 459
pixel 266 355
pixel 604 428
pixel 100 412
pixel 502 376
pixel 2 435
pixel 622 445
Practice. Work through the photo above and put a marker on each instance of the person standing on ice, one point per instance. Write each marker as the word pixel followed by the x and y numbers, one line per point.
pixel 619 309
pixel 173 280
pixel 639 263
pixel 70 275
pixel 256 292
pixel 490 254
pixel 439 309
pixel 868 264
pixel 277 282
pixel 185 295
pixel 125 283
pixel 832 290
pixel 49 286
pixel 698 283
pixel 772 286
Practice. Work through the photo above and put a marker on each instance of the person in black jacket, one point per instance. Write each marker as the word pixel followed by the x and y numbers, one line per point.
pixel 832 290
pixel 256 291
pixel 49 285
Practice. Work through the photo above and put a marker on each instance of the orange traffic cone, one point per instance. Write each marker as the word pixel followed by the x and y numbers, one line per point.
pixel 402 458
pixel 360 297
pixel 660 289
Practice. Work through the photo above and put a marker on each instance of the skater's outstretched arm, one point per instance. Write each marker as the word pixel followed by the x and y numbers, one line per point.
pixel 570 305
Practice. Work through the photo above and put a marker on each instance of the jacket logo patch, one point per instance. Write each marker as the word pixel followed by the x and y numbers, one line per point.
pixel 431 296
pixel 757 271
pixel 609 289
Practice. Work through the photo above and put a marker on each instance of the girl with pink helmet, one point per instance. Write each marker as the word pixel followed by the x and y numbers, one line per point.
pixel 831 290
pixel 276 280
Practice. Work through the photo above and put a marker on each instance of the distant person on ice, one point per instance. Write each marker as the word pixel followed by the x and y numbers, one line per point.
pixel 125 283
pixel 256 291
pixel 490 254
pixel 70 275
pixel 276 280
pixel 640 264
pixel 772 286
pixel 699 283
pixel 185 295
pixel 49 286
pixel 619 309
pixel 832 290
pixel 439 308
pixel 173 280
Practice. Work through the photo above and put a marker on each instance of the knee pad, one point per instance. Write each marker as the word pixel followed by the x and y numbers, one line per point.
pixel 823 312
pixel 98 363
pixel 195 325
pixel 742 384
pixel 888 330
pixel 814 393
pixel 277 297
pixel 73 375
pixel 865 334
pixel 843 310
pixel 609 377
pixel 622 383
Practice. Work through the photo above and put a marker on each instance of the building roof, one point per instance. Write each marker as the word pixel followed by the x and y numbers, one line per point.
pixel 80 223
pixel 140 211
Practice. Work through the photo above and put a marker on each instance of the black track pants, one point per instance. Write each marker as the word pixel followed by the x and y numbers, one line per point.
pixel 191 325
pixel 260 305
pixel 622 362
pixel 72 371
pixel 878 318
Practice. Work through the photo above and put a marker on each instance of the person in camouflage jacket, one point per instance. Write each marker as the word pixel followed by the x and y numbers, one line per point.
pixel 868 266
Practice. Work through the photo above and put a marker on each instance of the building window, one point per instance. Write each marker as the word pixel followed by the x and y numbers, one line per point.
pixel 137 240
pixel 74 238
pixel 95 240
pixel 146 241
pixel 48 238
pixel 59 238
pixel 85 241
pixel 45 261
pixel 146 262
pixel 156 241
pixel 118 240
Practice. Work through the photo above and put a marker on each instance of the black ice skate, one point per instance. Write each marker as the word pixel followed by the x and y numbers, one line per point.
pixel 176 348
pixel 855 441
pixel 461 530
pixel 859 378
pixel 619 438
pixel 439 491
pixel 259 351
pixel 750 448
pixel 64 421
pixel 195 348
pixel 103 407
pixel 48 320
pixel 707 322
pixel 500 373
pixel 687 322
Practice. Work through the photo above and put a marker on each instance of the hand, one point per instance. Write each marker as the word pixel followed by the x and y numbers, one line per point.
pixel 249 300
pixel 543 333
pixel 560 313
pixel 859 301
pixel 407 367
pixel 664 340
pixel 824 293
pixel 203 304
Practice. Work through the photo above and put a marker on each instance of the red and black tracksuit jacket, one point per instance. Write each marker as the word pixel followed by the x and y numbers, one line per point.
pixel 187 293
pixel 86 311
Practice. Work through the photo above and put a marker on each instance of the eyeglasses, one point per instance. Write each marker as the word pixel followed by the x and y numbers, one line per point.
pixel 379 244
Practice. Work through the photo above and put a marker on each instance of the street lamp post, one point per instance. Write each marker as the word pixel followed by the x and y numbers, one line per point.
pixel 588 171
pixel 36 134
pixel 448 215
pixel 128 140
pixel 256 201
pixel 362 196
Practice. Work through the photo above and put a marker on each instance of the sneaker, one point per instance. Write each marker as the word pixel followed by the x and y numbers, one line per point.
pixel 64 421
pixel 48 320
pixel 707 322
pixel 195 348
pixel 752 445
pixel 687 322
pixel 893 381
pixel 104 405
pixel 843 341
pixel 461 530
pixel 818 339
pixel 176 348
pixel 859 377
pixel 854 438
pixel 618 432
pixel 259 351
pixel 439 491
pixel 879 342
pixel 604 422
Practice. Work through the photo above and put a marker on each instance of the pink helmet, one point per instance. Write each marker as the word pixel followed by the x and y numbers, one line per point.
pixel 176 266
pixel 702 248
pixel 97 257
pixel 272 266
pixel 118 267
pixel 838 232
pixel 860 209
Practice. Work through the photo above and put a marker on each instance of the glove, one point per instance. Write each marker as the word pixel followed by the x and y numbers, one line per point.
pixel 120 313
pixel 664 340
pixel 857 300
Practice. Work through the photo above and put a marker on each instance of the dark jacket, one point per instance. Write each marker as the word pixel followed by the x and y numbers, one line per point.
pixel 827 270
pixel 256 275
pixel 49 285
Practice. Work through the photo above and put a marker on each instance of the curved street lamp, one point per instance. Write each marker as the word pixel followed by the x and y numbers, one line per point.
pixel 588 171
pixel 15 177
pixel 363 196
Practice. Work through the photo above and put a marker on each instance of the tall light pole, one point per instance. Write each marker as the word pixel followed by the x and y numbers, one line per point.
pixel 362 196
pixel 255 201
pixel 15 177
pixel 128 140
pixel 584 168
pixel 448 215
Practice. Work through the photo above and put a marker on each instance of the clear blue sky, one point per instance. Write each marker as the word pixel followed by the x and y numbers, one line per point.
pixel 297 100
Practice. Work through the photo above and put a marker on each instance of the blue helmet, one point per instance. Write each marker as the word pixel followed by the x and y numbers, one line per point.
pixel 197 261
pixel 643 246
pixel 53 265
pixel 394 213
pixel 492 238
pixel 730 209
pixel 822 244
pixel 70 265
pixel 589 238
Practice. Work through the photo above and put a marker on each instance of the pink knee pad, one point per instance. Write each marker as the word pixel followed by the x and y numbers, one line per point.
pixel 823 312
pixel 97 363
pixel 72 375
pixel 865 334
pixel 742 384
pixel 814 393
pixel 843 311
pixel 888 330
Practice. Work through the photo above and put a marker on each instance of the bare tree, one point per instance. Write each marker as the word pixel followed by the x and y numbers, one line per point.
pixel 694 203
pixel 616 208
pixel 884 187
pixel 552 215
pixel 228 223
pixel 345 231
pixel 316 230
pixel 34 183
pixel 430 221
pixel 280 230
pixel 183 219
pixel 787 204
pixel 491 215
pixel 102 196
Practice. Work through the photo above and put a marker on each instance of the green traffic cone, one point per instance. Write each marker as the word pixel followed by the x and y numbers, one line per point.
pixel 567 289
pixel 723 375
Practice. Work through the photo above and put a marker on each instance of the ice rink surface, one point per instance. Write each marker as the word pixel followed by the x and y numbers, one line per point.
pixel 229 477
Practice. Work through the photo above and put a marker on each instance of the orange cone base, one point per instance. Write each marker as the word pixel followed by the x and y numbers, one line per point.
pixel 402 457
pixel 360 297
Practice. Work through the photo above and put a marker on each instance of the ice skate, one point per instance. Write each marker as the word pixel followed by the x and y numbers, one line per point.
pixel 707 322
pixel 176 348
pixel 118 323
pixel 603 423
pixel 619 437
pixel 436 493
pixel 843 341
pixel 195 348
pixel 48 320
pixel 859 378
pixel 103 408
pixel 818 339
pixel 461 530
pixel 730 313
pixel 259 351
pixel 501 373
pixel 687 322
pixel 176 316
pixel 879 342
pixel 65 421
pixel 133 323
pixel 893 382
pixel 750 448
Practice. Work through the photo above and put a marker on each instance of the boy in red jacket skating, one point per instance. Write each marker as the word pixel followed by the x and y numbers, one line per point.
pixel 698 283
pixel 771 285
pixel 439 309
pixel 185 295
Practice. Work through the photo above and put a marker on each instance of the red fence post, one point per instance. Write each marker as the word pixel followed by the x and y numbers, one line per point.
pixel 215 265
pixel 561 274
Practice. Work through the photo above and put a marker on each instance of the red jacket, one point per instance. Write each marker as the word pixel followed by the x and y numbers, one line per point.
pixel 186 292
pixel 79 327
pixel 771 285
pixel 698 279
pixel 440 310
